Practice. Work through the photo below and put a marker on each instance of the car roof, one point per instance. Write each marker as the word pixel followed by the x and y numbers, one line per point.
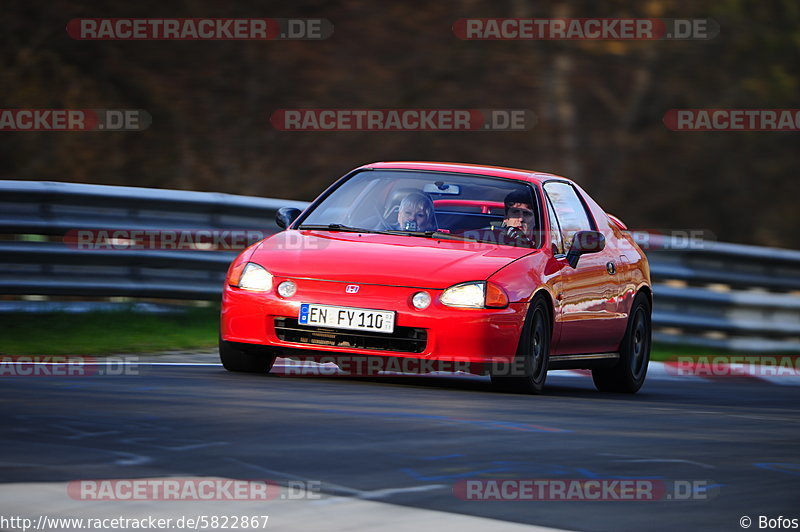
pixel 464 168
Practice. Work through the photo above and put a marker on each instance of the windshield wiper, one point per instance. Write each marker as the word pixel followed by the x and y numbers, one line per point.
pixel 448 236
pixel 338 227
pixel 432 234
pixel 425 234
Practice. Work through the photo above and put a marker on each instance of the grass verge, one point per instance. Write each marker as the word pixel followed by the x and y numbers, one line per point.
pixel 100 333
pixel 662 352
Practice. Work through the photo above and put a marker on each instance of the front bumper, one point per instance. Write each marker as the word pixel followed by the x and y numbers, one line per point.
pixel 437 332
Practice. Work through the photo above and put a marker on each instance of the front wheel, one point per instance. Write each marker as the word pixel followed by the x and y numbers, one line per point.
pixel 235 358
pixel 529 370
pixel 627 376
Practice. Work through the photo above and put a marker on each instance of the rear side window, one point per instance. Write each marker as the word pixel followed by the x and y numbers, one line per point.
pixel 569 210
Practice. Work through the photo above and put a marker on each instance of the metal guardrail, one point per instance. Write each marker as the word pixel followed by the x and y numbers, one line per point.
pixel 50 209
pixel 718 295
pixel 728 296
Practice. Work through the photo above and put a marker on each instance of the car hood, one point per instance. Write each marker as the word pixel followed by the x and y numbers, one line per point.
pixel 395 260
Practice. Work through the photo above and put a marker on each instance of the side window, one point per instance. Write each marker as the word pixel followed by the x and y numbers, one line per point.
pixel 569 210
pixel 555 230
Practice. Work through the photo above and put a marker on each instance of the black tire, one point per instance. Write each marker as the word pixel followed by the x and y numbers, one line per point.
pixel 628 375
pixel 234 358
pixel 532 355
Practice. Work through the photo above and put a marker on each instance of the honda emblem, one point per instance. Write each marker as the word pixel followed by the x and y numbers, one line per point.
pixel 351 288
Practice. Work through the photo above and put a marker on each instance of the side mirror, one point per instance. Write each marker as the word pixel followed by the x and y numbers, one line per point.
pixel 585 242
pixel 286 215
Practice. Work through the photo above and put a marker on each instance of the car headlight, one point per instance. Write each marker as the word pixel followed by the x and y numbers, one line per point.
pixel 256 278
pixel 464 295
pixel 475 294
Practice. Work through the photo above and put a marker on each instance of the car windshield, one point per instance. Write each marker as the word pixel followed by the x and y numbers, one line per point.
pixel 431 204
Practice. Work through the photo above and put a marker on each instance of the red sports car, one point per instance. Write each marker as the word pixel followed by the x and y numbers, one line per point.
pixel 512 272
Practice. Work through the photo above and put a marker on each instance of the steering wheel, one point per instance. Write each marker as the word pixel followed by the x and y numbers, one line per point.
pixel 513 234
pixel 382 219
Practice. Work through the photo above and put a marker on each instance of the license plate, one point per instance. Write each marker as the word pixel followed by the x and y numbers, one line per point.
pixel 355 319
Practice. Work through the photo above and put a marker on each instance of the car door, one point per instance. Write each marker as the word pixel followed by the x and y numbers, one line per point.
pixel 584 293
pixel 621 288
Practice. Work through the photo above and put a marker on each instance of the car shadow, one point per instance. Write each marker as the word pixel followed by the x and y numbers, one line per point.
pixel 582 387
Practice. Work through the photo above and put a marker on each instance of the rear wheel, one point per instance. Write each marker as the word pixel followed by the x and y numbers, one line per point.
pixel 236 358
pixel 627 376
pixel 529 370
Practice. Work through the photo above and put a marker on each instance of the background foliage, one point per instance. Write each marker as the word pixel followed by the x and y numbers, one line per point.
pixel 599 104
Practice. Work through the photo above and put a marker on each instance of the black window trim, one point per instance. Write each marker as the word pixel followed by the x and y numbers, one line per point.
pixel 558 224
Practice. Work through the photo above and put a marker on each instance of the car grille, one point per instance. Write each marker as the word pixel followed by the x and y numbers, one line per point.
pixel 403 339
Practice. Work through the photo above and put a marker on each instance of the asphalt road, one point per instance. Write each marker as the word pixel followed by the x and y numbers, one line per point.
pixel 408 441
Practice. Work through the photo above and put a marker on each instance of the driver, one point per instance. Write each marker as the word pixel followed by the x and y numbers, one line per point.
pixel 519 213
pixel 416 213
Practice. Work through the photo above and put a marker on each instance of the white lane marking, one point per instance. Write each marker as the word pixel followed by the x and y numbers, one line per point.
pixel 765 418
pixel 144 442
pixel 356 493
pixel 186 364
pixel 194 446
pixel 377 494
pixel 564 373
pixel 131 459
pixel 782 380
pixel 667 460
pixel 287 475
pixel 78 434
pixel 658 371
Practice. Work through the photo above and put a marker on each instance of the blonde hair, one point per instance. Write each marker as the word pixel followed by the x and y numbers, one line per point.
pixel 418 200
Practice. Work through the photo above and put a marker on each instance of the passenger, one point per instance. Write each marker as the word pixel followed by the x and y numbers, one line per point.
pixel 416 213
